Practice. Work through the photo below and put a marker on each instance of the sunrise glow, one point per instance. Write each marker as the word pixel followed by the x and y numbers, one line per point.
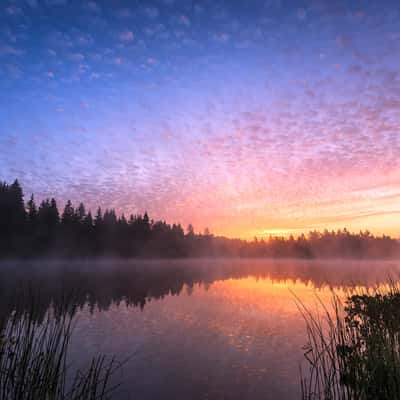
pixel 249 118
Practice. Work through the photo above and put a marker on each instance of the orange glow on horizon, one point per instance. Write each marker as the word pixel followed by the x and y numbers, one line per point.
pixel 374 216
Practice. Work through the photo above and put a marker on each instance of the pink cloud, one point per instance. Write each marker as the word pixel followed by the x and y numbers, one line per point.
pixel 126 36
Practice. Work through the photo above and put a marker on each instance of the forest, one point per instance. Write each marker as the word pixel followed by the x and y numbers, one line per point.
pixel 28 230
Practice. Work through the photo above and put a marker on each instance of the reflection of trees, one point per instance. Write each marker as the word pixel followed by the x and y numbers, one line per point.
pixel 100 285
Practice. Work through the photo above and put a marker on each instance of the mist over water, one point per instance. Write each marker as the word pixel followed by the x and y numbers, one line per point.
pixel 191 328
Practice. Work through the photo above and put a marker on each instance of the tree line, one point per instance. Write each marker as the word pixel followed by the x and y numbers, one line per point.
pixel 31 230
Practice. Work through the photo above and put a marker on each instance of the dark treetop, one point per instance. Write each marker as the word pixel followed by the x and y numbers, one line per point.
pixel 28 230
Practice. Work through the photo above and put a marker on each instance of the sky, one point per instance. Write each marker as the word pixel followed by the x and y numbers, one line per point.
pixel 249 117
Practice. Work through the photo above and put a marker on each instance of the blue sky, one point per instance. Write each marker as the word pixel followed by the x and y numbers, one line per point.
pixel 249 117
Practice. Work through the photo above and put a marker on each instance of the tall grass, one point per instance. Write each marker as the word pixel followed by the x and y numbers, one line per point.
pixel 33 361
pixel 353 347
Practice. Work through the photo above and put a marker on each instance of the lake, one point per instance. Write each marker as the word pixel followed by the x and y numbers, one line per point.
pixel 191 329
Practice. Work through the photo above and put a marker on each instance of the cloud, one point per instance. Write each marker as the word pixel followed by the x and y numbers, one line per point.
pixel 280 128
pixel 124 13
pixel 76 57
pixel 184 20
pixel 84 40
pixel 56 2
pixel 198 9
pixel 95 75
pixel 301 14
pixel 156 29
pixel 222 37
pixel 83 68
pixel 152 12
pixel 32 3
pixel 344 41
pixel 126 36
pixel 93 7
pixel 60 39
pixel 273 3
pixel 13 11
pixel 119 60
pixel 10 50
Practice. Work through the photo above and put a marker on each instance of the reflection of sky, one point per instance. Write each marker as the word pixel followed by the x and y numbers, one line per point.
pixel 247 117
pixel 225 329
pixel 232 339
pixel 239 339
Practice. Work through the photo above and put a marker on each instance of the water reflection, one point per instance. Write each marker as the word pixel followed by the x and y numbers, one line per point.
pixel 233 340
pixel 195 329
pixel 103 284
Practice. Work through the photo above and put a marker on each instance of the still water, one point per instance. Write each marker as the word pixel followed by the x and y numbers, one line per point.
pixel 204 329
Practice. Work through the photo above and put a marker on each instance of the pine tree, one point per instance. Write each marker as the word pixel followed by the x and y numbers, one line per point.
pixel 68 216
pixel 32 212
pixel 17 209
pixel 54 216
pixel 88 220
pixel 81 213
pixel 98 220
pixel 190 230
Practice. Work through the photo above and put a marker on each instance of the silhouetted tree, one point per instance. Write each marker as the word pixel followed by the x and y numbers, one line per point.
pixel 68 216
pixel 32 213
pixel 12 217
pixel 88 221
pixel 190 230
pixel 46 230
pixel 80 213
pixel 99 218
pixel 30 231
pixel 18 213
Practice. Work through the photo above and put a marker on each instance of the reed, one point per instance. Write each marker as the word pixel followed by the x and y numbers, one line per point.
pixel 33 361
pixel 353 347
